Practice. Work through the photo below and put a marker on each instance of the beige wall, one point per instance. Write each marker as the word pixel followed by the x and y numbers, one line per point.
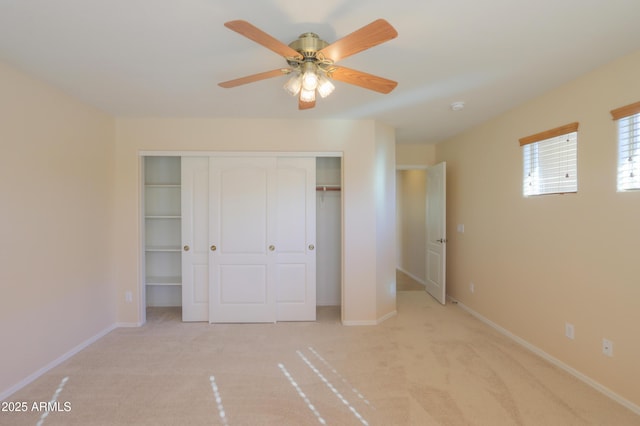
pixel 415 155
pixel 359 141
pixel 542 261
pixel 56 263
pixel 385 193
pixel 411 222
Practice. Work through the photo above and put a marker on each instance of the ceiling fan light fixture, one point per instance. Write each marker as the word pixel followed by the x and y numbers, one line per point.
pixel 311 61
pixel 293 85
pixel 325 87
pixel 309 76
pixel 457 106
pixel 307 95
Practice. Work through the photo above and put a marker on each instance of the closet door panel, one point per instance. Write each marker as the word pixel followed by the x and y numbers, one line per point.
pixel 242 237
pixel 296 233
pixel 292 284
pixel 201 290
pixel 245 193
pixel 243 284
pixel 195 238
pixel 292 210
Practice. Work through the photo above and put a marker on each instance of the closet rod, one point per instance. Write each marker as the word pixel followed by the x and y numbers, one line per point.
pixel 328 188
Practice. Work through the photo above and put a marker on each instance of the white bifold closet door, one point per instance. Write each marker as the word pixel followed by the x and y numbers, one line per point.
pixel 261 236
pixel 242 279
pixel 296 239
pixel 195 238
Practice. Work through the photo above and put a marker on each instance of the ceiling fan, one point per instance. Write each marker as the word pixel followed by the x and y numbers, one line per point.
pixel 312 61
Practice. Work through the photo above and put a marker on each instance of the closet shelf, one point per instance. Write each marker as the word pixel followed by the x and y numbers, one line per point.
pixel 171 248
pixel 164 281
pixel 328 188
pixel 162 217
pixel 162 223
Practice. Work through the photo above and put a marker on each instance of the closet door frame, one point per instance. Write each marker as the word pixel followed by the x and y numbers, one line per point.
pixel 142 305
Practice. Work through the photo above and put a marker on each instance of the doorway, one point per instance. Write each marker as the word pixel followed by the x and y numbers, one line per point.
pixel 421 226
pixel 411 193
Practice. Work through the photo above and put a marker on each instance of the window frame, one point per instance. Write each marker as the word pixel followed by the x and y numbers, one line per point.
pixel 534 143
pixel 631 143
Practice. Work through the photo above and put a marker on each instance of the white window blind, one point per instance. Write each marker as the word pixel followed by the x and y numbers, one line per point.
pixel 628 153
pixel 628 118
pixel 550 162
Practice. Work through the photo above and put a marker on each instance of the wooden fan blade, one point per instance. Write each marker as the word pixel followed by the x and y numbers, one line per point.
pixel 366 37
pixel 254 77
pixel 254 33
pixel 305 105
pixel 364 80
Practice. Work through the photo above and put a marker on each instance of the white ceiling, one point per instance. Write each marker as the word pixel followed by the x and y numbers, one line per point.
pixel 165 57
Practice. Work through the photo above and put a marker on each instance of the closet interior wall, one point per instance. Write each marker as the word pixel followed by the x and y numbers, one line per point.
pixel 329 231
pixel 411 214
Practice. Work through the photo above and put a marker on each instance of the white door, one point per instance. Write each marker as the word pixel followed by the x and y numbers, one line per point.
pixel 242 252
pixel 195 238
pixel 436 231
pixel 295 239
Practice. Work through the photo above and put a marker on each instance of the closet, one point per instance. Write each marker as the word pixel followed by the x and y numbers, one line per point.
pixel 236 236
pixel 329 231
pixel 162 235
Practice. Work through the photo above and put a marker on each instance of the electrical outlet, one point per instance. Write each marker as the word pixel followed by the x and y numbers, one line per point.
pixel 607 347
pixel 128 297
pixel 461 228
pixel 569 331
pixel 472 287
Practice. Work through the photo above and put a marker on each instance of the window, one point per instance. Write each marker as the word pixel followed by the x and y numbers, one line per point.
pixel 550 161
pixel 628 118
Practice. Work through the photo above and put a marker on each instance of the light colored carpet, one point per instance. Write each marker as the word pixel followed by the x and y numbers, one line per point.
pixel 405 283
pixel 429 365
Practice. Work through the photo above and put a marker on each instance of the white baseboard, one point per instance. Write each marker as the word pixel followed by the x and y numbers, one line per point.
pixel 129 324
pixel 359 323
pixel 371 322
pixel 22 383
pixel 386 317
pixel 580 376
pixel 412 276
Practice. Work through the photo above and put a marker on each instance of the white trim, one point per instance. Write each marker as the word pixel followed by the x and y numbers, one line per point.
pixel 370 322
pixel 240 153
pixel 36 374
pixel 129 324
pixel 142 272
pixel 387 316
pixel 412 276
pixel 359 323
pixel 580 376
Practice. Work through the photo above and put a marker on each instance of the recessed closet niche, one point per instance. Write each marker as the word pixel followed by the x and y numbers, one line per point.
pixel 164 242
pixel 162 235
pixel 329 237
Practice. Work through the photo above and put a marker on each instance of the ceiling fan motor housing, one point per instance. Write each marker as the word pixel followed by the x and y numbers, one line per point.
pixel 308 44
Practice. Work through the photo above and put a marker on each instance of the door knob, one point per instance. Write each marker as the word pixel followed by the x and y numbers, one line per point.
pixel 442 240
pixel 214 248
pixel 272 247
pixel 186 248
pixel 311 246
